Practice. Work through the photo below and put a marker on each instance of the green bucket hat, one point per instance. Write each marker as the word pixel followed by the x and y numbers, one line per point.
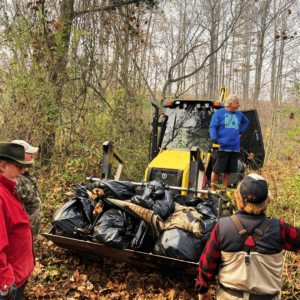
pixel 13 152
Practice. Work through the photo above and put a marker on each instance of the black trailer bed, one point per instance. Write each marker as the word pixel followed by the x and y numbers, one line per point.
pixel 129 256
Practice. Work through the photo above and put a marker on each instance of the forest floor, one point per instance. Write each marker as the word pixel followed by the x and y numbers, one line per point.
pixel 63 274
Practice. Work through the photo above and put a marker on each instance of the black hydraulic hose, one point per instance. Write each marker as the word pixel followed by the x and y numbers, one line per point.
pixel 252 159
pixel 150 143
pixel 155 130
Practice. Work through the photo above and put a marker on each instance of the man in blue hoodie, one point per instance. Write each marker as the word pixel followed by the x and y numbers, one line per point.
pixel 226 127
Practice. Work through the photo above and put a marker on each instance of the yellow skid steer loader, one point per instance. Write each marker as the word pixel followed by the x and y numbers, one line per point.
pixel 180 146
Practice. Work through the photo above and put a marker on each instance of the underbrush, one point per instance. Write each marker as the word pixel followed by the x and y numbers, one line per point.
pixel 284 184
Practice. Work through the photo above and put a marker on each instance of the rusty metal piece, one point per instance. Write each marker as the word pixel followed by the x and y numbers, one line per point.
pixel 141 259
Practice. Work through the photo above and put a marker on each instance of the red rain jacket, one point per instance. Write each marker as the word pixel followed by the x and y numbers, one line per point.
pixel 16 243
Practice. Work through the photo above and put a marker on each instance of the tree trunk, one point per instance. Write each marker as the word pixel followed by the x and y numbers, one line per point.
pixel 57 78
pixel 260 48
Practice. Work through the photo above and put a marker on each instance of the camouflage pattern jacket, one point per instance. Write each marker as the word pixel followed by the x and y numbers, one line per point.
pixel 28 194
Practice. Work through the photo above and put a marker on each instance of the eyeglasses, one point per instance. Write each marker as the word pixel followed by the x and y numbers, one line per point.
pixel 19 166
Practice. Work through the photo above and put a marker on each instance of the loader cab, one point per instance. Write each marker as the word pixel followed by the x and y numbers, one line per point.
pixel 187 125
pixel 184 125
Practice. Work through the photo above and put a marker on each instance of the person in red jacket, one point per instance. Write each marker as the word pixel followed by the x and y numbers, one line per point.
pixel 16 241
pixel 245 250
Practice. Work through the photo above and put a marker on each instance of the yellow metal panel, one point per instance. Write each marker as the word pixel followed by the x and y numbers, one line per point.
pixel 175 160
pixel 208 157
pixel 225 94
pixel 146 173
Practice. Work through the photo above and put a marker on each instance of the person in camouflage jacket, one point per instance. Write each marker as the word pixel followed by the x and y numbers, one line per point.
pixel 28 191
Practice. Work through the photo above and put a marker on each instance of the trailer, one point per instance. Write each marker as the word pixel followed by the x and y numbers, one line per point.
pixel 142 259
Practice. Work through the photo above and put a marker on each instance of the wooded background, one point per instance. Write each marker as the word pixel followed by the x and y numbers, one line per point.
pixel 74 73
pixel 77 72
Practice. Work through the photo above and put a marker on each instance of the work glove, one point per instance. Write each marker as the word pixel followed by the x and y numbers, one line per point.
pixel 10 293
pixel 215 144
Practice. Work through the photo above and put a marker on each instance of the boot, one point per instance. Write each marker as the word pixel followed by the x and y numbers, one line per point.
pixel 224 196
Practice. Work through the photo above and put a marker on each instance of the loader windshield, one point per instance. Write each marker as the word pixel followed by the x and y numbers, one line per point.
pixel 188 127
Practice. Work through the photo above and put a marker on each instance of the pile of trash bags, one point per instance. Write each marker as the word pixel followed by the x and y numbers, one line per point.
pixel 111 213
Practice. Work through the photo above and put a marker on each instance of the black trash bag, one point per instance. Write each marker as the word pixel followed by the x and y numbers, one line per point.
pixel 78 212
pixel 116 229
pixel 80 191
pixel 209 225
pixel 121 190
pixel 136 199
pixel 182 199
pixel 180 244
pixel 207 210
pixel 157 197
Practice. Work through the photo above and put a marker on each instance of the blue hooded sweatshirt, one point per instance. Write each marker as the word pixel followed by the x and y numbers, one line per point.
pixel 226 126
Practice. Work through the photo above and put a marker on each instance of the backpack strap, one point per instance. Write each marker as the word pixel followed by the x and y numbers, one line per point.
pixel 258 232
pixel 242 231
pixel 249 241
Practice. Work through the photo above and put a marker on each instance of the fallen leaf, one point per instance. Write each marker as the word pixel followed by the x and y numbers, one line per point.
pixel 171 294
pixel 82 289
pixel 89 286
pixel 56 25
pixel 39 291
pixel 83 277
pixel 110 285
pixel 98 209
pixel 99 192
pixel 251 156
pixel 76 275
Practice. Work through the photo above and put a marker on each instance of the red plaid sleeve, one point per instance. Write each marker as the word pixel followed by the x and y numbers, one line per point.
pixel 290 237
pixel 209 262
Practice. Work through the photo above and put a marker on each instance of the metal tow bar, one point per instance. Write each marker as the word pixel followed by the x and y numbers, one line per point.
pixel 176 188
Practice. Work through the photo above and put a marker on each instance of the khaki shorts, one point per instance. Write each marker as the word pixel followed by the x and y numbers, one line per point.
pixel 222 295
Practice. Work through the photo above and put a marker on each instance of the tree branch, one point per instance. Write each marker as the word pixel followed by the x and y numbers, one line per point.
pixel 145 80
pixel 105 8
pixel 229 31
